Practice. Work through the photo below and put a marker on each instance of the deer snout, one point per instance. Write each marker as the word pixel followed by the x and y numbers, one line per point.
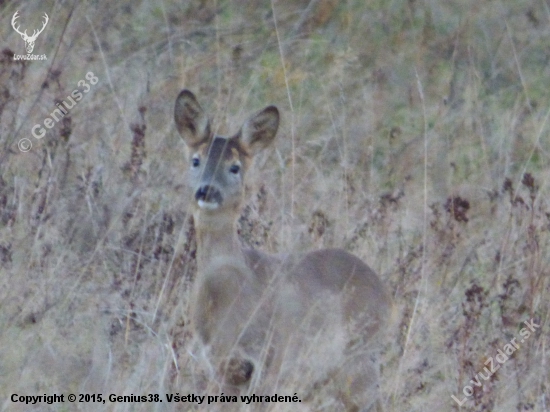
pixel 208 197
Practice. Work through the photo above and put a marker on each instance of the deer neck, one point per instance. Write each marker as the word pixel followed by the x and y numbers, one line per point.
pixel 216 239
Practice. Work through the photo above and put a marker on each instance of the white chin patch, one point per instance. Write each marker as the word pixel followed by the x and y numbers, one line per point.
pixel 208 205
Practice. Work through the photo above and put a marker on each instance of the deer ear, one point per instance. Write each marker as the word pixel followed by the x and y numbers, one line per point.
pixel 259 131
pixel 191 120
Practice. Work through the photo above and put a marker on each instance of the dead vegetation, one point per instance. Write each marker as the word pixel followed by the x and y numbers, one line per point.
pixel 415 135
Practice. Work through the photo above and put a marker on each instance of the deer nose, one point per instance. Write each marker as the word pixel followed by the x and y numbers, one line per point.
pixel 209 194
pixel 202 193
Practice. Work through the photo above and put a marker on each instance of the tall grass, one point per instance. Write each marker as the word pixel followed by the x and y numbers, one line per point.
pixel 415 134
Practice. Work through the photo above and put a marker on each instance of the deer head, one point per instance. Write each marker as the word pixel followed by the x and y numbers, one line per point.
pixel 29 40
pixel 218 164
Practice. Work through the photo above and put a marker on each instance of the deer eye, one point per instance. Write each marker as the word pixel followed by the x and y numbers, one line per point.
pixel 235 169
pixel 195 162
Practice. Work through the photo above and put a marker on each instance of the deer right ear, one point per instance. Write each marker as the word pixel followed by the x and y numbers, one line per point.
pixel 259 131
pixel 191 120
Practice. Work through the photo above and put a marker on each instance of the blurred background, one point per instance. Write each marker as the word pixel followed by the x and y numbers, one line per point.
pixel 414 134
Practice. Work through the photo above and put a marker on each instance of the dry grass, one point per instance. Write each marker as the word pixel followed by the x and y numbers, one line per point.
pixel 415 134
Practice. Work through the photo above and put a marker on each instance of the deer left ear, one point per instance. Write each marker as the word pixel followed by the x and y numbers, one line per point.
pixel 259 130
pixel 191 120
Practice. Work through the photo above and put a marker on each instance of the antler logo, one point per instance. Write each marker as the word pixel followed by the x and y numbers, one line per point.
pixel 29 40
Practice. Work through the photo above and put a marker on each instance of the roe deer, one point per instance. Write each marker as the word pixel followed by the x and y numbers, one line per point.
pixel 305 321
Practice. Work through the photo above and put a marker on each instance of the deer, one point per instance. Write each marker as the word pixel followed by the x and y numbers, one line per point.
pixel 29 40
pixel 311 318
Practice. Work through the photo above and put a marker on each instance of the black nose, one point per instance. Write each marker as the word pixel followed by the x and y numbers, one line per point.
pixel 209 194
pixel 202 193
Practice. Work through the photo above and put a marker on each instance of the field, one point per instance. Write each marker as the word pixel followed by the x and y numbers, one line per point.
pixel 414 134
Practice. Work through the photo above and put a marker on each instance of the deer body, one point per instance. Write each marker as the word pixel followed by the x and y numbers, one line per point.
pixel 266 318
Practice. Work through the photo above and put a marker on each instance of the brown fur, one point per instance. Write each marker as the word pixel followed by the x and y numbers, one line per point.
pixel 265 319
